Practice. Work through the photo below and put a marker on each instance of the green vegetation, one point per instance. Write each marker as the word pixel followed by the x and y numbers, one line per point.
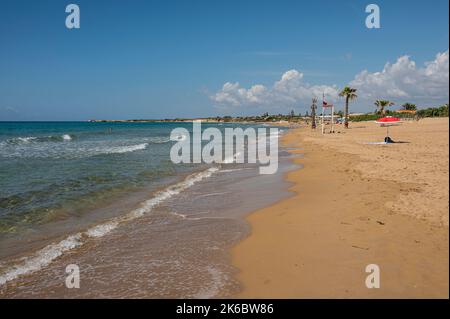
pixel 350 95
pixel 409 107
pixel 365 117
pixel 441 111
pixel 382 105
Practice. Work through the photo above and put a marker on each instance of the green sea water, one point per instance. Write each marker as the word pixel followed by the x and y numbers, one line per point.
pixel 52 170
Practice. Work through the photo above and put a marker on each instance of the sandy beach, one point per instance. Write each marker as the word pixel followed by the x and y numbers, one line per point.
pixel 355 204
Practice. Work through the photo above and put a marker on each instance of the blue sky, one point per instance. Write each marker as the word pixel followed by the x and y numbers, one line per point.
pixel 162 59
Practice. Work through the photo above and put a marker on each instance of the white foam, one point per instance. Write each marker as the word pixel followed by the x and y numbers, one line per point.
pixel 26 139
pixel 102 230
pixel 158 139
pixel 66 137
pixel 179 215
pixel 216 283
pixel 163 195
pixel 170 191
pixel 231 170
pixel 45 256
pixel 41 258
pixel 123 149
pixel 214 194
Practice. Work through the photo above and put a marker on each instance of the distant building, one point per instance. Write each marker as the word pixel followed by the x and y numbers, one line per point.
pixel 356 114
pixel 406 111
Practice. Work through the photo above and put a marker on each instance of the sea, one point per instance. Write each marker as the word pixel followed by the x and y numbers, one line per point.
pixel 106 197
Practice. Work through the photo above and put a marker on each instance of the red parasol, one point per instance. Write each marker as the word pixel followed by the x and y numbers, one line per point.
pixel 386 122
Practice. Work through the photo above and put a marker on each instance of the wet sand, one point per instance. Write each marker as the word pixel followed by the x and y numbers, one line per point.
pixel 178 249
pixel 355 204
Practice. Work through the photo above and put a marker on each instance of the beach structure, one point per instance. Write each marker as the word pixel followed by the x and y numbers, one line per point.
pixel 407 114
pixel 326 105
pixel 313 113
pixel 387 122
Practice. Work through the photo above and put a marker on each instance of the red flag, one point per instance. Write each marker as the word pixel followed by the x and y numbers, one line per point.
pixel 325 104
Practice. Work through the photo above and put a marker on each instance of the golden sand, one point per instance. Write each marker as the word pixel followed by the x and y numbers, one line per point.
pixel 355 204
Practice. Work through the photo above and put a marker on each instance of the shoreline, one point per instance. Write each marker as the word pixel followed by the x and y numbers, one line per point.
pixel 352 209
pixel 337 216
pixel 206 218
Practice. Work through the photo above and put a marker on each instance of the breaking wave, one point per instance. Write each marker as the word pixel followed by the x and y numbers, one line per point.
pixel 74 151
pixel 121 149
pixel 40 139
pixel 45 256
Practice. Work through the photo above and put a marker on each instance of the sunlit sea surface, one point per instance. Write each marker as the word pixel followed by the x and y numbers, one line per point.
pixel 107 197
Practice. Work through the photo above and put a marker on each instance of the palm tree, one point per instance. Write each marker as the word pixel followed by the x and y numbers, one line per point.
pixel 381 105
pixel 350 95
pixel 313 113
pixel 409 107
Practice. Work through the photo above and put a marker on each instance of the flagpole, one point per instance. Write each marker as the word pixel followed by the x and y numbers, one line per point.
pixel 323 124
pixel 332 118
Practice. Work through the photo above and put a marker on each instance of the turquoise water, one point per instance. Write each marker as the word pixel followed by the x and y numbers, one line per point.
pixel 50 170
pixel 107 197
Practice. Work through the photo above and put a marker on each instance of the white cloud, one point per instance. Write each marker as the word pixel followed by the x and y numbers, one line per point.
pixel 404 80
pixel 288 91
pixel 401 81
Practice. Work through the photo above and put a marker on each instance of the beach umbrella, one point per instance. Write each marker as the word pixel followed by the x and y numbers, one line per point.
pixel 387 122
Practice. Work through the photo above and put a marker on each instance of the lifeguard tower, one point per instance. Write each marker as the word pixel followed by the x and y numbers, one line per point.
pixel 326 106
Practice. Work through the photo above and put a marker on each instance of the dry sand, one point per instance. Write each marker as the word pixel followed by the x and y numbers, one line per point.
pixel 355 204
